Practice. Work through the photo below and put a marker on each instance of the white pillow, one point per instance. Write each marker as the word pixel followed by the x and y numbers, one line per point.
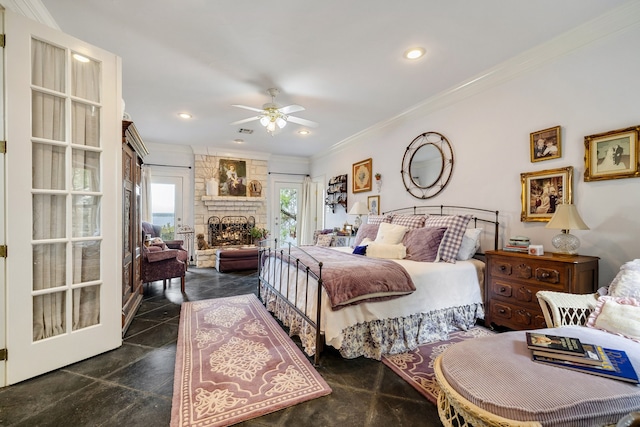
pixel 470 244
pixel 383 250
pixel 620 316
pixel 627 281
pixel 390 234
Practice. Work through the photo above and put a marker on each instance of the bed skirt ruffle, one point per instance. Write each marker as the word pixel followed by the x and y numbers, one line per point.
pixel 375 338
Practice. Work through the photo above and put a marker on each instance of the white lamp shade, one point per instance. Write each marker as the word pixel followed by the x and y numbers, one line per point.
pixel 567 217
pixel 264 120
pixel 281 122
pixel 359 208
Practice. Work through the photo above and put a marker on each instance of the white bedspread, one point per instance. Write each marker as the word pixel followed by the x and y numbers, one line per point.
pixel 438 286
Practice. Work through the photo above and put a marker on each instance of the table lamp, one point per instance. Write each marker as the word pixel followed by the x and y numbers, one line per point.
pixel 358 209
pixel 566 218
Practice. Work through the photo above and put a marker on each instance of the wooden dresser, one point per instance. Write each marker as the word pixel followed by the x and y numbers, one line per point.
pixel 512 280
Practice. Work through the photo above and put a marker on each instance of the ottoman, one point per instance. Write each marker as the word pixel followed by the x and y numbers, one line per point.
pixel 236 259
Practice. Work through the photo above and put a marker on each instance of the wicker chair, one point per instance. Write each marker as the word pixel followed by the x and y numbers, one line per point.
pixel 559 309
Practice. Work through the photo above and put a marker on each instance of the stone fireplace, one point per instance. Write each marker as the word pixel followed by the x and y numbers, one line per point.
pixel 208 206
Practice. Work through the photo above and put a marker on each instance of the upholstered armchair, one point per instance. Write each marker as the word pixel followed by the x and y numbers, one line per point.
pixel 160 261
pixel 155 231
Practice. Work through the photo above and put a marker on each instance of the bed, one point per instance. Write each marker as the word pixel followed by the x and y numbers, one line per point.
pixel 442 294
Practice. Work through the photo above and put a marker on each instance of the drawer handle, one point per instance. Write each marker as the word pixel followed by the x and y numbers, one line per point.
pixel 502 311
pixel 502 289
pixel 545 275
pixel 503 268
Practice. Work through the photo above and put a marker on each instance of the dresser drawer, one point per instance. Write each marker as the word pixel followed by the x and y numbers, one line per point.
pixel 548 274
pixel 515 316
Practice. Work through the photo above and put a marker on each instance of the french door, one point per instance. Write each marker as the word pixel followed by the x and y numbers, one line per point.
pixel 286 209
pixel 63 215
pixel 166 204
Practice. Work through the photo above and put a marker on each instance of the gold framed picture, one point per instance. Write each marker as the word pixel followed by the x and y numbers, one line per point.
pixel 361 173
pixel 373 204
pixel 545 144
pixel 544 190
pixel 612 155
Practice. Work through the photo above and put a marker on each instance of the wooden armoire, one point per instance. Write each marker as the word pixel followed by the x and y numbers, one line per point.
pixel 133 150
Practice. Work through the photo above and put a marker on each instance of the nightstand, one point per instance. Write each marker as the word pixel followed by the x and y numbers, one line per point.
pixel 513 278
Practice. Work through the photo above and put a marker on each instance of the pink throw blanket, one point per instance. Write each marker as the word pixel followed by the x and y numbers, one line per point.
pixel 351 279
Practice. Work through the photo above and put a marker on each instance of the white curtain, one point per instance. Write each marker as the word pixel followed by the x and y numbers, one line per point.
pixel 307 212
pixel 50 169
pixel 146 194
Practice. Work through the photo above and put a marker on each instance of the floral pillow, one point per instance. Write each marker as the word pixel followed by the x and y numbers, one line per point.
pixel 620 316
pixel 324 240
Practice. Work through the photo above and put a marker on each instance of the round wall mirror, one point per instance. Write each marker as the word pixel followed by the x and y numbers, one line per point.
pixel 427 165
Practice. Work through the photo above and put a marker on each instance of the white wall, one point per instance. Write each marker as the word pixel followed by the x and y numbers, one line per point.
pixel 587 90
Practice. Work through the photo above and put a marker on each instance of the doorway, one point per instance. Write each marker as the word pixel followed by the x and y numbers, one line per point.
pixel 286 208
pixel 166 204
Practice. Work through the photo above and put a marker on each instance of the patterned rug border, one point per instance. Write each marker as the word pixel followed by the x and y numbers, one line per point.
pixel 416 367
pixel 210 402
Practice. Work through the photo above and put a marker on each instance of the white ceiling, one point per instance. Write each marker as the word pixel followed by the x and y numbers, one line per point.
pixel 340 59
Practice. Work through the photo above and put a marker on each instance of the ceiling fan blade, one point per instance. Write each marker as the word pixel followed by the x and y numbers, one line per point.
pixel 303 122
pixel 258 110
pixel 250 119
pixel 291 109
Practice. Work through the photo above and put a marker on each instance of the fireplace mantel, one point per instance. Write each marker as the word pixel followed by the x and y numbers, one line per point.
pixel 233 203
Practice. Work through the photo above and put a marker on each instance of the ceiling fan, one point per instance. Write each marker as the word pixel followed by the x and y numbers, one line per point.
pixel 274 117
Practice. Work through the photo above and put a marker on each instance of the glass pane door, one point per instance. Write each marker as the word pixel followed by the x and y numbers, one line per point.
pixel 166 204
pixel 287 207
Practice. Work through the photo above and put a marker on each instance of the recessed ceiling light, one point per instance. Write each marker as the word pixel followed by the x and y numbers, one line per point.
pixel 238 141
pixel 184 115
pixel 414 53
pixel 303 132
pixel 80 58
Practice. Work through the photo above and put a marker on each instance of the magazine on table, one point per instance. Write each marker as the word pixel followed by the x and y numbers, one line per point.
pixel 616 365
pixel 591 356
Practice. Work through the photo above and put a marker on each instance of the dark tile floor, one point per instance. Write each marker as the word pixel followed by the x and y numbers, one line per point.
pixel 133 384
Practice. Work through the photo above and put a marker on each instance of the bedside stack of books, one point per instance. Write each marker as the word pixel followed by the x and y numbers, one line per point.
pixel 570 353
pixel 517 244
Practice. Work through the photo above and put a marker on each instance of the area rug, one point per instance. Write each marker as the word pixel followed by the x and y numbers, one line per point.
pixel 416 367
pixel 234 362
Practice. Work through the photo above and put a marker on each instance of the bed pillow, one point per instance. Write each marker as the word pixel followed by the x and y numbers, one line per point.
pixel 409 221
pixel 422 243
pixel 324 240
pixel 390 234
pixel 375 219
pixel 456 226
pixel 470 244
pixel 386 251
pixel 620 316
pixel 627 281
pixel 360 250
pixel 366 230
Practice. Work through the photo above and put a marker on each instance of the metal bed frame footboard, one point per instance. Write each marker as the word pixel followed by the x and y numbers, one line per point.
pixel 298 269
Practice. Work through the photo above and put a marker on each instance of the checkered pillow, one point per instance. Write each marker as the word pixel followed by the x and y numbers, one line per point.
pixel 376 219
pixel 456 226
pixel 409 221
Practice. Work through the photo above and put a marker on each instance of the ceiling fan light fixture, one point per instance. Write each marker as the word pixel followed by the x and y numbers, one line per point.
pixel 271 127
pixel 264 121
pixel 281 122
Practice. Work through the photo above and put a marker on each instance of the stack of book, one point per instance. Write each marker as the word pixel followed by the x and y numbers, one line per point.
pixel 570 353
pixel 517 244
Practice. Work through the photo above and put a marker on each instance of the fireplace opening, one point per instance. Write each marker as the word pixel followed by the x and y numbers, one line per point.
pixel 230 230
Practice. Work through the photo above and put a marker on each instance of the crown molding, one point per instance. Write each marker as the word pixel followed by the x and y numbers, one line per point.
pixel 33 9
pixel 608 24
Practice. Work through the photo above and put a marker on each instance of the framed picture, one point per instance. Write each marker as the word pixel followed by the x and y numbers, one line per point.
pixel 361 176
pixel 545 144
pixel 373 204
pixel 542 191
pixel 232 178
pixel 612 155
